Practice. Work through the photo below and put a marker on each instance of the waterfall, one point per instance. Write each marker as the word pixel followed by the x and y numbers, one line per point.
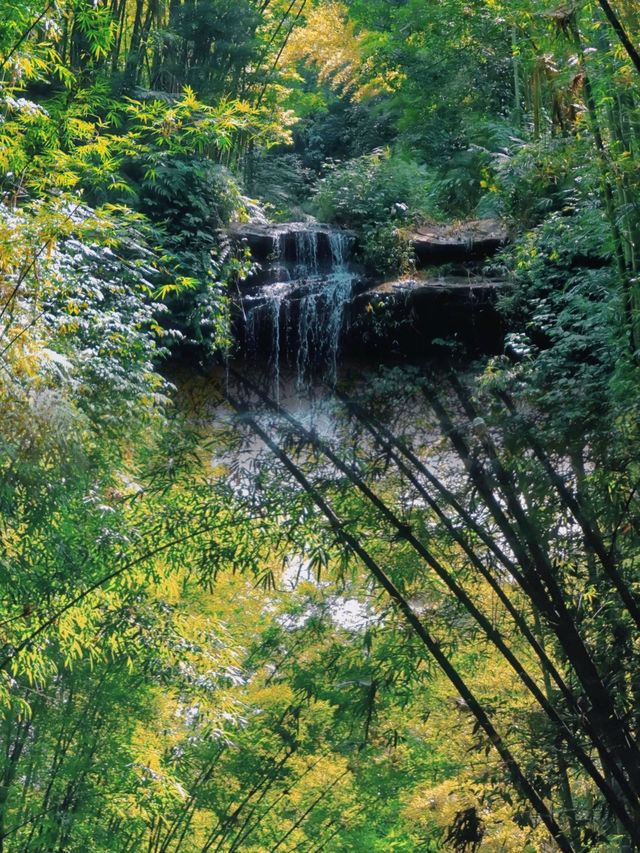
pixel 306 253
pixel 322 312
pixel 298 318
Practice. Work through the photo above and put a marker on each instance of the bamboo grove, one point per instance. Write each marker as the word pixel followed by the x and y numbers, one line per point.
pixel 398 613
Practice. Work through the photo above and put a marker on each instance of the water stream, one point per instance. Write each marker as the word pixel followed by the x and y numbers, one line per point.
pixel 297 318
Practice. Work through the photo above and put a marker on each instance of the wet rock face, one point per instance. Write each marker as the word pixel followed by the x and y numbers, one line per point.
pixel 295 306
pixel 468 241
pixel 288 246
pixel 439 306
pixel 425 313
pixel 422 285
pixel 433 244
pixel 308 301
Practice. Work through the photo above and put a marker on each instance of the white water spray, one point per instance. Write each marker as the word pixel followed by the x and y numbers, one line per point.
pixel 299 319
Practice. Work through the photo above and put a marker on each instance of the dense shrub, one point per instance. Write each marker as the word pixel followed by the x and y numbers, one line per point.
pixel 562 315
pixel 191 196
pixel 458 188
pixel 531 180
pixel 282 182
pixel 377 195
pixel 374 188
pixel 189 199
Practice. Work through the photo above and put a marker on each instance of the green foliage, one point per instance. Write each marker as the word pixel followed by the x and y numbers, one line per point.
pixel 164 686
pixel 204 47
pixel 378 195
pixel 189 199
pixel 529 180
pixel 373 188
pixel 338 129
pixel 384 248
pixel 190 196
pixel 282 182
pixel 565 321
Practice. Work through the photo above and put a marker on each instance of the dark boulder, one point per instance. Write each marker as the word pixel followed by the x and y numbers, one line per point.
pixel 287 242
pixel 415 315
pixel 467 241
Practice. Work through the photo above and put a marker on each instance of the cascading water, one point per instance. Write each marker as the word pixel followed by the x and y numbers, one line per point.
pixel 298 319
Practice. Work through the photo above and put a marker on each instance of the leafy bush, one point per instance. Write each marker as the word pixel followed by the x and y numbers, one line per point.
pixel 373 188
pixel 377 195
pixel 458 187
pixel 283 182
pixel 562 315
pixel 385 248
pixel 96 323
pixel 189 199
pixel 190 196
pixel 530 181
pixel 463 184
